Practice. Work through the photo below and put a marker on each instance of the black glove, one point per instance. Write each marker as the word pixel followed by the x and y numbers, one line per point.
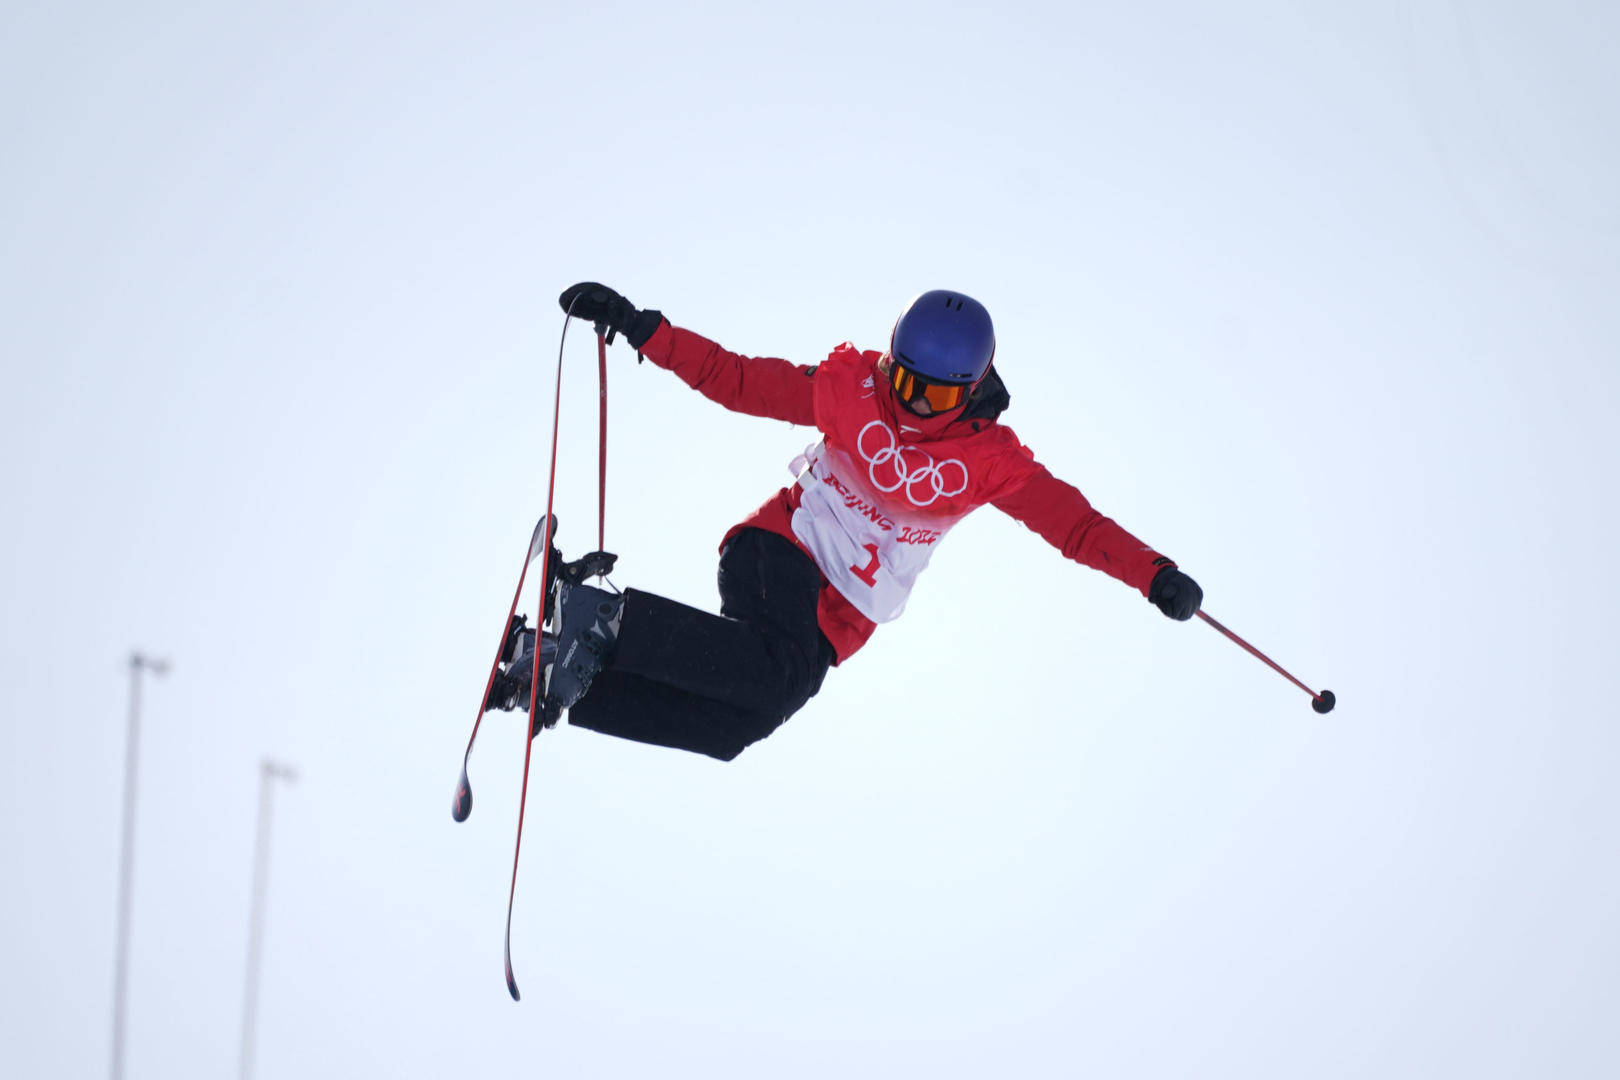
pixel 1175 594
pixel 600 304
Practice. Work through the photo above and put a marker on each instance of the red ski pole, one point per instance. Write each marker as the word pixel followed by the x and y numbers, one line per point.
pixel 601 489
pixel 1322 702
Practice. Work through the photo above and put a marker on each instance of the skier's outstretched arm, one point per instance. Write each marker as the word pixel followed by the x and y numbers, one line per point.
pixel 1065 518
pixel 755 385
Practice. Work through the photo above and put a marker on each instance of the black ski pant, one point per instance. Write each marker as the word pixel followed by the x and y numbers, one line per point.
pixel 714 684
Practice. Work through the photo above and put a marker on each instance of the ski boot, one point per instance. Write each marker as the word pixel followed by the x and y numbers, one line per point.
pixel 559 573
pixel 515 672
pixel 587 634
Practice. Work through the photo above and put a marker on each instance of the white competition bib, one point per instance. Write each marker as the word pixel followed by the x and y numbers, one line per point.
pixel 866 519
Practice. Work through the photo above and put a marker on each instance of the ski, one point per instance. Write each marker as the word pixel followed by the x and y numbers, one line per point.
pixel 542 714
pixel 539 543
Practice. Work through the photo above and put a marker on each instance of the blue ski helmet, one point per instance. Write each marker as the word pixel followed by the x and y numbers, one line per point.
pixel 944 337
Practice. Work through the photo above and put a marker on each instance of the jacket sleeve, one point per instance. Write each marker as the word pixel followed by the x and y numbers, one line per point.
pixel 1066 519
pixel 755 385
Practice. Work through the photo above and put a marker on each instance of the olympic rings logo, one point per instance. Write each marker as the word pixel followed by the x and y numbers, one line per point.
pixel 892 467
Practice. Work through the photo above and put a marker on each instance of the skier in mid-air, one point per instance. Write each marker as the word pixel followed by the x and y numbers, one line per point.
pixel 910 444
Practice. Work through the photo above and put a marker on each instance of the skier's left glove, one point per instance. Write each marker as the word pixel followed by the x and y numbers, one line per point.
pixel 600 304
pixel 1175 594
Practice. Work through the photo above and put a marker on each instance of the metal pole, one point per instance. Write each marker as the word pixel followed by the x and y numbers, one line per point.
pixel 268 772
pixel 126 858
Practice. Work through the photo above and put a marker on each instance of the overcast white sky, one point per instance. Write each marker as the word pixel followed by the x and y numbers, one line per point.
pixel 1317 298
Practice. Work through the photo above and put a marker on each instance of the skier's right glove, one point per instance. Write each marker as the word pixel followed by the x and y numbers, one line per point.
pixel 600 304
pixel 1175 594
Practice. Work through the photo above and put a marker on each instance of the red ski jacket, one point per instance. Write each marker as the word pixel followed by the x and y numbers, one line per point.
pixel 881 488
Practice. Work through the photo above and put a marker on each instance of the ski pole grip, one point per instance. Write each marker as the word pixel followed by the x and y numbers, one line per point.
pixel 604 330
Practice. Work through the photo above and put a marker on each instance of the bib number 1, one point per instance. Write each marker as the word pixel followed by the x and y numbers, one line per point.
pixel 868 573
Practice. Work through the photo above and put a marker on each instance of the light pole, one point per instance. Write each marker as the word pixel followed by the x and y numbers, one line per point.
pixel 126 860
pixel 268 771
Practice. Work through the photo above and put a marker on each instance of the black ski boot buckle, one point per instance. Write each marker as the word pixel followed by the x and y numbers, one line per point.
pixel 514 635
pixel 575 573
pixel 546 716
pixel 595 564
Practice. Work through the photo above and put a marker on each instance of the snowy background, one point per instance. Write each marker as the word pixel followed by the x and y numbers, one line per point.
pixel 1317 298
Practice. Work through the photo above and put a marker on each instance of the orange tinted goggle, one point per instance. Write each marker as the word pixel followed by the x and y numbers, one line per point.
pixel 941 397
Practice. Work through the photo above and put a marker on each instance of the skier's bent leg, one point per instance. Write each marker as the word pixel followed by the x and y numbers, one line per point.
pixel 715 684
pixel 630 707
pixel 711 656
pixel 763 654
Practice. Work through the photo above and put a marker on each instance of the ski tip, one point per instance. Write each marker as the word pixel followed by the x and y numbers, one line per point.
pixel 511 984
pixel 537 542
pixel 461 805
pixel 1324 702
